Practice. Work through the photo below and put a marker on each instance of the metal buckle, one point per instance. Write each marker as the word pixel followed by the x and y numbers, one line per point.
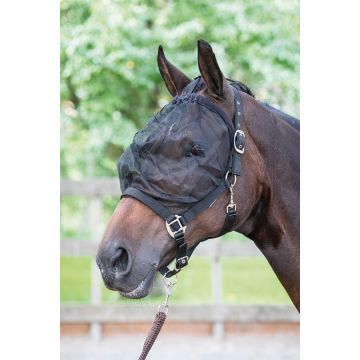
pixel 176 220
pixel 183 261
pixel 239 150
pixel 231 207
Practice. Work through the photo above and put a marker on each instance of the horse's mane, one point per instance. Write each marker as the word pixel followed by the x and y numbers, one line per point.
pixel 242 87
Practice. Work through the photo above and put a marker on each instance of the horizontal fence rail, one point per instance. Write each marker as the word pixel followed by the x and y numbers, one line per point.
pixel 98 187
pixel 97 313
pixel 73 247
pixel 211 313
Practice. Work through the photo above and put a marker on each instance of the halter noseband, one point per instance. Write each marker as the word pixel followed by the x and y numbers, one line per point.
pixel 176 224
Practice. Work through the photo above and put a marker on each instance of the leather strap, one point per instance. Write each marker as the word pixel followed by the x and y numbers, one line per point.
pixel 239 137
pixel 152 203
pixel 165 213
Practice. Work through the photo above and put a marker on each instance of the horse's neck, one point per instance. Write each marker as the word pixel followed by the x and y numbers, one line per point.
pixel 275 228
pixel 278 146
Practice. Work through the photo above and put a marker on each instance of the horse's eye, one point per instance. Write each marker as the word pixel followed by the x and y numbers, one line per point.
pixel 195 150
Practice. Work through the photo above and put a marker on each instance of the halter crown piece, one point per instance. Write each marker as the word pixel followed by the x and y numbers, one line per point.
pixel 176 223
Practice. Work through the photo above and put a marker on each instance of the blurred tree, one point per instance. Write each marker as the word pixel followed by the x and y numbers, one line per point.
pixel 110 83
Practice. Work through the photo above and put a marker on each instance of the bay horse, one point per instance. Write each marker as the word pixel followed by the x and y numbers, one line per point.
pixel 136 243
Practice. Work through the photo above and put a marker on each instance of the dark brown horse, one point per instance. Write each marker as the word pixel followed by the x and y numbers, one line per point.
pixel 136 243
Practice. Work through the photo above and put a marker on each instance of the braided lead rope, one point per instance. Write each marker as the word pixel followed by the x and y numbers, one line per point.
pixel 159 318
pixel 153 334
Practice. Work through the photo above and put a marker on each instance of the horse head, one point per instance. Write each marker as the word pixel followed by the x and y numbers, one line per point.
pixel 185 164
pixel 179 159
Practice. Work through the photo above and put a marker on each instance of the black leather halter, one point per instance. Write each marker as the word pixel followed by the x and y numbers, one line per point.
pixel 176 224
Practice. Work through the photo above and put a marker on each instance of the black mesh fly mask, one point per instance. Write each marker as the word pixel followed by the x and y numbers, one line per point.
pixel 181 161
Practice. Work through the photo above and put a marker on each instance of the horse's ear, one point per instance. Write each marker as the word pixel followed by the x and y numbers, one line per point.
pixel 210 70
pixel 174 79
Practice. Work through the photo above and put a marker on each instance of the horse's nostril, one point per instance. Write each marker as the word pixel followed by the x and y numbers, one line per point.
pixel 121 261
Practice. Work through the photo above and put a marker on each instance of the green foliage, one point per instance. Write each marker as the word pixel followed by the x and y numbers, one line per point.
pixel 110 83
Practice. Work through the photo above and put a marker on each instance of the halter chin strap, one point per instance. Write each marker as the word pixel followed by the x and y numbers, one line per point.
pixel 176 224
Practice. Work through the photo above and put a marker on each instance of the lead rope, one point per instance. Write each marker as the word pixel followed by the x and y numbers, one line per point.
pixel 159 319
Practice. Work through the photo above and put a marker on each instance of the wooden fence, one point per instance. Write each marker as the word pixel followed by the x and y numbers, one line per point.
pixel 97 313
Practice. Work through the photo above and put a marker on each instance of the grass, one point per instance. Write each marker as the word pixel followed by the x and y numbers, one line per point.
pixel 251 281
pixel 75 279
pixel 245 281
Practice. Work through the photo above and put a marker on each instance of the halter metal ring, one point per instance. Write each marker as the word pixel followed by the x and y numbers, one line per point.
pixel 226 177
pixel 237 149
pixel 176 220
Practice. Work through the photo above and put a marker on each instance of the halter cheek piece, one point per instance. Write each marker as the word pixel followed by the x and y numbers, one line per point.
pixel 176 224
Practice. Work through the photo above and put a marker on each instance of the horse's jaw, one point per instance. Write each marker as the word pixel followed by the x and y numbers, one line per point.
pixel 142 289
